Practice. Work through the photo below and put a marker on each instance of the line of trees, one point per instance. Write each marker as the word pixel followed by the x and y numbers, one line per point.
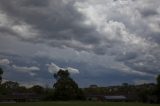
pixel 1 72
pixel 158 87
pixel 66 89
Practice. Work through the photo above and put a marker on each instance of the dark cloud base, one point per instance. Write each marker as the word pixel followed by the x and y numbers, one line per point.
pixel 106 44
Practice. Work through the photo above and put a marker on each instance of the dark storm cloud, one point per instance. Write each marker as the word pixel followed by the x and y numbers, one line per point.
pixel 57 22
pixel 149 12
pixel 60 24
pixel 128 56
pixel 37 3
pixel 155 36
pixel 118 35
pixel 54 20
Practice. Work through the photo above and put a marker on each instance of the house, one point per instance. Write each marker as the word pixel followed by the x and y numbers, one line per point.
pixel 95 97
pixel 20 97
pixel 117 98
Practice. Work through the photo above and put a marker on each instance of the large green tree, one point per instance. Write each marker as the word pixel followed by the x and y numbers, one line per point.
pixel 1 72
pixel 37 89
pixel 66 88
pixel 158 88
pixel 158 82
pixel 10 85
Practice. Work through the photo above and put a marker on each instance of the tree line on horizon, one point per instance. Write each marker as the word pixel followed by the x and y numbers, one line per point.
pixel 66 89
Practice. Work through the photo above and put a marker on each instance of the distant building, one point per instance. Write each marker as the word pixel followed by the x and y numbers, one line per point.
pixel 20 97
pixel 116 98
pixel 93 86
pixel 95 97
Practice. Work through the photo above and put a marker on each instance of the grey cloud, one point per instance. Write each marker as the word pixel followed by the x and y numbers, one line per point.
pixel 126 56
pixel 148 8
pixel 57 21
pixel 31 70
pixel 101 28
pixel 36 3
pixel 53 68
pixel 149 12
pixel 4 62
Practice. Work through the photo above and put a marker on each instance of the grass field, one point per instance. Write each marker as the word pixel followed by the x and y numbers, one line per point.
pixel 77 104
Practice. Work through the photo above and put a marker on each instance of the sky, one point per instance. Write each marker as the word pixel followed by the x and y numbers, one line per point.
pixel 103 42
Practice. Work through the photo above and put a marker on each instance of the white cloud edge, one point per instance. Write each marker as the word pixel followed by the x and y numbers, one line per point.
pixel 30 70
pixel 4 62
pixel 53 68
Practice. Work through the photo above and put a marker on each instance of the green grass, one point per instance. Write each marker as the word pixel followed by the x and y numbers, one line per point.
pixel 77 104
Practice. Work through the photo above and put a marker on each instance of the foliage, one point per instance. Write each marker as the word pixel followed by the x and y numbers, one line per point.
pixel 9 87
pixel 158 82
pixel 65 87
pixel 48 94
pixel 37 89
pixel 158 88
pixel 1 72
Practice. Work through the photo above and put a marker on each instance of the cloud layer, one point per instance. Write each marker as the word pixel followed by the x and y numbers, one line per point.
pixel 30 70
pixel 106 36
pixel 4 61
pixel 53 68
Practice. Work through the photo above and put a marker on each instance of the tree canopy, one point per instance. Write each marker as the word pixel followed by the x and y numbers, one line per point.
pixel 158 81
pixel 1 72
pixel 158 87
pixel 37 89
pixel 10 85
pixel 65 87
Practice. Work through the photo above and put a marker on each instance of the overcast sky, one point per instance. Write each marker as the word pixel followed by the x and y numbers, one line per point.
pixel 103 42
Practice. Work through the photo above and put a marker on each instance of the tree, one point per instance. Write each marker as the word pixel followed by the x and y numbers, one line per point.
pixel 22 89
pixel 158 82
pixel 37 89
pixel 65 87
pixel 1 72
pixel 10 85
pixel 158 87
